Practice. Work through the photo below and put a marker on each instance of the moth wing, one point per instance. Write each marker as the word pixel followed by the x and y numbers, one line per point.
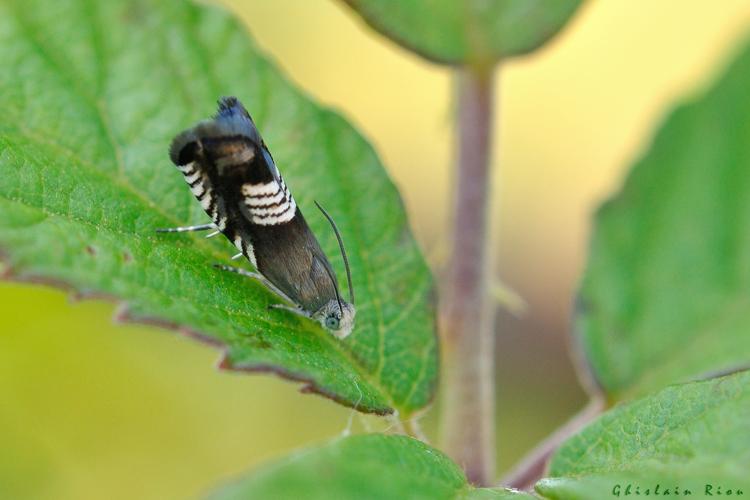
pixel 289 256
pixel 187 154
pixel 324 272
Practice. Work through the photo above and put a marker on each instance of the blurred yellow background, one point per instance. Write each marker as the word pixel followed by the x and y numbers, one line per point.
pixel 94 410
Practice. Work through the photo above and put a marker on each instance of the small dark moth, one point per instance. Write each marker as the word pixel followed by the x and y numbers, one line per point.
pixel 232 174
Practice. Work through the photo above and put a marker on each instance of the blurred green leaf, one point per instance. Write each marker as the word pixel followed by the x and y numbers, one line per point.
pixel 372 466
pixel 467 31
pixel 666 296
pixel 686 437
pixel 92 93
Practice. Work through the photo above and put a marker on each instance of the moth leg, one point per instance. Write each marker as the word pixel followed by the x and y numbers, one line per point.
pixel 183 229
pixel 258 277
pixel 292 309
pixel 243 272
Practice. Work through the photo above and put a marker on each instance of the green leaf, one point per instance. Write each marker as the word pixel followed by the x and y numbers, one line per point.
pixel 93 92
pixel 666 296
pixel 467 31
pixel 685 437
pixel 363 467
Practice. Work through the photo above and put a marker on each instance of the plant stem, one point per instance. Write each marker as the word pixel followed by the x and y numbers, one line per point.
pixel 466 319
pixel 532 467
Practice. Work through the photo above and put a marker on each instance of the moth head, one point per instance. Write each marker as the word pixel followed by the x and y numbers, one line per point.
pixel 337 318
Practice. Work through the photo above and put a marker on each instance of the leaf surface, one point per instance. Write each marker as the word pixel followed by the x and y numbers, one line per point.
pixel 93 92
pixel 467 31
pixel 373 466
pixel 686 437
pixel 666 294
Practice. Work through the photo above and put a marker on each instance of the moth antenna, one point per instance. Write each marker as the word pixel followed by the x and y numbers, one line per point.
pixel 335 289
pixel 343 252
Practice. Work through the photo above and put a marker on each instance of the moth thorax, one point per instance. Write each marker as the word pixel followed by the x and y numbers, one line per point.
pixel 337 320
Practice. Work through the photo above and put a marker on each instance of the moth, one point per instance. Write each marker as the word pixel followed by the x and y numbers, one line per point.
pixel 232 174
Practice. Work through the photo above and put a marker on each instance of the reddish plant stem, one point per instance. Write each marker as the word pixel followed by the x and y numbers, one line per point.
pixel 466 325
pixel 533 466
